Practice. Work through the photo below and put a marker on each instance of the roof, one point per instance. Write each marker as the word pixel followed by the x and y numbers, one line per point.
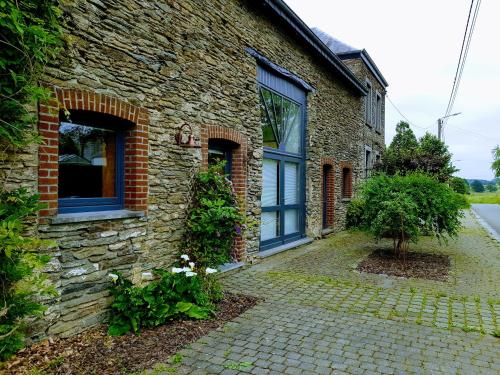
pixel 334 44
pixel 282 12
pixel 347 52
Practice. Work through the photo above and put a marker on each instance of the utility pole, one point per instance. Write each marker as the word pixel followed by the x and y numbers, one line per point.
pixel 441 124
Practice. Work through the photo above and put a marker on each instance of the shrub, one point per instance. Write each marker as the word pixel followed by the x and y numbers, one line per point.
pixel 477 186
pixel 355 211
pixel 214 220
pixel 183 292
pixel 459 185
pixel 21 286
pixel 405 207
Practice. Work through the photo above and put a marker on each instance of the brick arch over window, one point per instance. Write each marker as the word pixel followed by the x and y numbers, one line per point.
pixel 328 192
pixel 238 168
pixel 136 144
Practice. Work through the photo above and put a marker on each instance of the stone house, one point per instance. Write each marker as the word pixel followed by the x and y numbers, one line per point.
pixel 157 90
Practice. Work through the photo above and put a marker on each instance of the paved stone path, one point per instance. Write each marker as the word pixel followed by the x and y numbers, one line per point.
pixel 319 316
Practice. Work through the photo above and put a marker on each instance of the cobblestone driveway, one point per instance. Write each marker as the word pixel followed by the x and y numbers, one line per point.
pixel 320 316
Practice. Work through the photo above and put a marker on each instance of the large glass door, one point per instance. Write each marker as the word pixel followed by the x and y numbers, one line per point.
pixel 282 198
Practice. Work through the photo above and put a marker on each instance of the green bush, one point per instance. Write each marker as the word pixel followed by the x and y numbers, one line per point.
pixel 21 286
pixel 355 211
pixel 183 292
pixel 31 38
pixel 214 220
pixel 405 207
pixel 406 154
pixel 459 185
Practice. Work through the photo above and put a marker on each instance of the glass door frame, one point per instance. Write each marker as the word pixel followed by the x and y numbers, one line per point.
pixel 281 157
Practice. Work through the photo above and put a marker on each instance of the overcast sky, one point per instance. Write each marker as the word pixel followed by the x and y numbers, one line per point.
pixel 416 45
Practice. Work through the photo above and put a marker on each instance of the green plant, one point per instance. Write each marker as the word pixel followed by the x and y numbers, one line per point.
pixel 214 220
pixel 355 211
pixel 405 207
pixel 495 165
pixel 238 366
pixel 19 258
pixel 179 293
pixel 477 186
pixel 31 37
pixel 459 185
pixel 406 155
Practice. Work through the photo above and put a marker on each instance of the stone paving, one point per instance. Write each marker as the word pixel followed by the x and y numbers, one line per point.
pixel 320 316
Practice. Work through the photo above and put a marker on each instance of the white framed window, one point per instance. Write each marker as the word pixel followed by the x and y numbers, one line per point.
pixel 378 110
pixel 368 161
pixel 369 104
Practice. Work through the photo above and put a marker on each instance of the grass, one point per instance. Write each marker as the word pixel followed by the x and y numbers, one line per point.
pixel 484 197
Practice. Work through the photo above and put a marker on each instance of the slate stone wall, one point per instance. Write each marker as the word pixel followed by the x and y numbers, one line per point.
pixel 372 138
pixel 185 63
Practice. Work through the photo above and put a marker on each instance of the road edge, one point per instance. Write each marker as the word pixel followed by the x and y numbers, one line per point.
pixel 492 232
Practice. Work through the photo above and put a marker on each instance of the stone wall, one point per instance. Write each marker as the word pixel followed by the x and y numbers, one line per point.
pixel 185 63
pixel 371 137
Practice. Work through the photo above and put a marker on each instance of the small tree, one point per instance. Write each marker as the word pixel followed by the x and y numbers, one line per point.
pixel 491 188
pixel 405 207
pixel 495 166
pixel 459 185
pixel 477 186
pixel 405 155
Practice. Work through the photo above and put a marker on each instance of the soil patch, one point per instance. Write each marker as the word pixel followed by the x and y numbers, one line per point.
pixel 418 265
pixel 94 352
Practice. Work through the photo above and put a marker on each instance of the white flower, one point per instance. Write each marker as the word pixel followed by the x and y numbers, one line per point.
pixel 113 277
pixel 186 269
pixel 185 257
pixel 177 270
pixel 209 270
pixel 190 273
pixel 191 264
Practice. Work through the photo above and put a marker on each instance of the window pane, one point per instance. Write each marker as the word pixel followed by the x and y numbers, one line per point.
pixel 291 221
pixel 268 120
pixel 87 162
pixel 291 183
pixel 270 183
pixel 269 225
pixel 291 126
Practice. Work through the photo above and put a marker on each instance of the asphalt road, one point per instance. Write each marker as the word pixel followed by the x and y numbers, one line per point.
pixel 489 213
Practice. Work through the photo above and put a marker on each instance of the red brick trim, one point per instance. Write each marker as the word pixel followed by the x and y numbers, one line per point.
pixel 330 194
pixel 136 144
pixel 346 178
pixel 238 170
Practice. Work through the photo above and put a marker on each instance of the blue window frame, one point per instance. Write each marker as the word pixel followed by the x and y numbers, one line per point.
pixel 283 112
pixel 91 162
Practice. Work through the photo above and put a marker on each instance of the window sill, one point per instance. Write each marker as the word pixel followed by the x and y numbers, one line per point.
pixel 287 246
pixel 95 216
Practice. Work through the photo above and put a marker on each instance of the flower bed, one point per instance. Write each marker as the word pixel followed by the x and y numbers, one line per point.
pixel 95 352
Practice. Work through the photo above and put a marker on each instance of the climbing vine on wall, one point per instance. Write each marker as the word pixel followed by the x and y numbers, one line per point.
pixel 30 37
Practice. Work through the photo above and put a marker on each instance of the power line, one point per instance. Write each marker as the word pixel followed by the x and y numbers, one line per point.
pixel 466 52
pixel 447 112
pixel 401 113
